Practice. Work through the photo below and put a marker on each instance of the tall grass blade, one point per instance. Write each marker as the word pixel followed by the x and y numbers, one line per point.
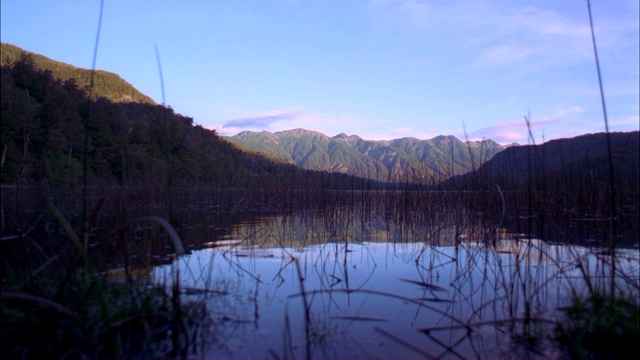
pixel 612 196
pixel 85 166
pixel 173 235
pixel 164 100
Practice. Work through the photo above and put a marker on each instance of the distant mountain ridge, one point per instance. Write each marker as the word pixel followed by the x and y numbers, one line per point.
pixel 399 160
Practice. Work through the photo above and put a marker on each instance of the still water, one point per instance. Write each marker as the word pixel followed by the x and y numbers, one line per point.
pixel 331 287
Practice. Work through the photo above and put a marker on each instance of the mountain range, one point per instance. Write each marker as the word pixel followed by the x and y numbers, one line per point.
pixel 408 160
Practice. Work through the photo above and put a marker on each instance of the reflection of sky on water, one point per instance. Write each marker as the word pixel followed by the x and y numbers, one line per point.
pixel 372 299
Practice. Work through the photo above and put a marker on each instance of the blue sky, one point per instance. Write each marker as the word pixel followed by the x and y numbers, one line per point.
pixel 381 69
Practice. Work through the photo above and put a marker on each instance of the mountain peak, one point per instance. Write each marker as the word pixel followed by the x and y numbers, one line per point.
pixel 444 139
pixel 300 132
pixel 348 138
pixel 245 133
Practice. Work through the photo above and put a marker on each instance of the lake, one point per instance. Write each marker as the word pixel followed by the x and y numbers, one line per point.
pixel 335 284
pixel 323 274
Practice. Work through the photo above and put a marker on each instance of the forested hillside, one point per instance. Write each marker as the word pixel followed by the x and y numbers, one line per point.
pixel 43 139
pixel 400 160
pixel 105 84
pixel 565 184
pixel 572 163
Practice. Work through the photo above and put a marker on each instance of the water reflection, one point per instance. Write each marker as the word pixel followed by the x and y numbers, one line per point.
pixel 340 286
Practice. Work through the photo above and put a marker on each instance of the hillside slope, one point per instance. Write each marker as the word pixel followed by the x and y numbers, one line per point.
pixel 106 84
pixel 561 190
pixel 572 161
pixel 45 119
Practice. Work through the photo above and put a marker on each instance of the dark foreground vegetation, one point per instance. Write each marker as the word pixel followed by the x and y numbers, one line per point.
pixel 97 292
pixel 79 242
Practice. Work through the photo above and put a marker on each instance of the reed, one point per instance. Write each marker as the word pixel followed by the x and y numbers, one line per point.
pixel 95 311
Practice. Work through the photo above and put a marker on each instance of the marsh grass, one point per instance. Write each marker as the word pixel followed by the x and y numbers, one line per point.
pixel 596 327
pixel 61 299
pixel 501 281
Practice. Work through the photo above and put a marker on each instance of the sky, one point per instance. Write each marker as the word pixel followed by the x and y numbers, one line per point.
pixel 380 69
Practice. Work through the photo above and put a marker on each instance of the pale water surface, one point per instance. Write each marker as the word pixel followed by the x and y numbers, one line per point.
pixel 271 296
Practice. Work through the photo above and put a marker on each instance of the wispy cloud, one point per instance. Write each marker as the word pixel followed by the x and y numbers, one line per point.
pixel 503 54
pixel 278 120
pixel 506 132
pixel 260 121
pixel 500 33
pixel 532 34
pixel 503 132
pixel 569 110
pixel 384 133
pixel 627 123
pixel 268 121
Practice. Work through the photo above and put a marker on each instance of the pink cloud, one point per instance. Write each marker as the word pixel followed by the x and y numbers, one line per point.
pixel 507 132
